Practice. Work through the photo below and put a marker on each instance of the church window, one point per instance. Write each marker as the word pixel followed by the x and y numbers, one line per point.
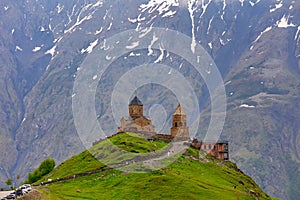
pixel 175 124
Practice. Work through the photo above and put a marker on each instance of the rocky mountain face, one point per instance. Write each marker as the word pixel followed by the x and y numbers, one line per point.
pixel 254 43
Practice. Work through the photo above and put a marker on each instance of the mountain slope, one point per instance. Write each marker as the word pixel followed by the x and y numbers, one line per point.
pixel 255 45
pixel 187 177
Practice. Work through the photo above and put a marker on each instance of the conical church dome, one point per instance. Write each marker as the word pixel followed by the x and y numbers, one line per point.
pixel 179 110
pixel 135 102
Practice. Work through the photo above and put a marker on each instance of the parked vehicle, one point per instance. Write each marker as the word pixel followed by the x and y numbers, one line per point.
pixel 11 196
pixel 19 192
pixel 23 188
pixel 28 187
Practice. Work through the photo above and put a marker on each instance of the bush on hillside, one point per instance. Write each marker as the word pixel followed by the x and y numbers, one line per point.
pixel 45 168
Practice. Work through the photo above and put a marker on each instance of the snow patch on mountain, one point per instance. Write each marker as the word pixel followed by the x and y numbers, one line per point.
pixel 260 35
pixel 242 2
pixel 209 25
pixel 277 6
pixel 107 57
pixel 170 13
pixel 145 31
pixel 297 36
pixel 97 4
pixel 223 10
pixel 165 8
pixel 210 44
pixel 18 48
pixel 192 8
pixel 105 16
pixel 90 48
pixel 59 8
pixel 162 6
pixel 154 39
pixel 91 8
pixel 52 51
pixel 78 22
pixel 254 3
pixel 132 54
pixel 133 45
pixel 222 42
pixel 162 53
pixel 246 106
pixel 42 29
pixel 37 48
pixel 284 22
pixel 24 119
pixel 204 7
pixel 110 25
pixel 98 31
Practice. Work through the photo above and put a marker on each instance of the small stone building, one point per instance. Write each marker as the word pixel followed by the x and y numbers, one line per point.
pixel 217 149
pixel 137 122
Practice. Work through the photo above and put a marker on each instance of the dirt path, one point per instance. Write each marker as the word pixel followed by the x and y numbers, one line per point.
pixel 152 161
pixel 176 148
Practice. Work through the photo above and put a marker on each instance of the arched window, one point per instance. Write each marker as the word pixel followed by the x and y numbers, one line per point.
pixel 180 123
pixel 175 124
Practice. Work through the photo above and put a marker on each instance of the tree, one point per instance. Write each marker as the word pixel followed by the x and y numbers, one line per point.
pixel 45 168
pixel 18 178
pixel 8 182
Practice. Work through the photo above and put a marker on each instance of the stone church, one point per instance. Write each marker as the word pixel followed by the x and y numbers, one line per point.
pixel 137 122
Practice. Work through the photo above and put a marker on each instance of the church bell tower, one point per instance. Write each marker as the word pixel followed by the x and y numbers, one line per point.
pixel 179 126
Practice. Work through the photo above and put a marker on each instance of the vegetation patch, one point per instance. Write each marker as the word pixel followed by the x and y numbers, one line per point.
pixel 134 143
pixel 184 178
pixel 45 168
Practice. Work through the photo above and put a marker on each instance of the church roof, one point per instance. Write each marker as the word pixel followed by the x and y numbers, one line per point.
pixel 135 102
pixel 179 110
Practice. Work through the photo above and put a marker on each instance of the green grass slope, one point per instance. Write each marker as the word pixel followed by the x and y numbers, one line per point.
pixel 192 175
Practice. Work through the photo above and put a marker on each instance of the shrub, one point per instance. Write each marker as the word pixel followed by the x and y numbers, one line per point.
pixel 45 168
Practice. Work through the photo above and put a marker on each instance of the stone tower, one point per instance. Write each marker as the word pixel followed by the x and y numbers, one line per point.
pixel 179 127
pixel 135 108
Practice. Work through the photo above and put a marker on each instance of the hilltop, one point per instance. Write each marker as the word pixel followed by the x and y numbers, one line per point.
pixel 190 175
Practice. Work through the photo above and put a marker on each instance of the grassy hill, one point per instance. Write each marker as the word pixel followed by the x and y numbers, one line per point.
pixel 191 175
